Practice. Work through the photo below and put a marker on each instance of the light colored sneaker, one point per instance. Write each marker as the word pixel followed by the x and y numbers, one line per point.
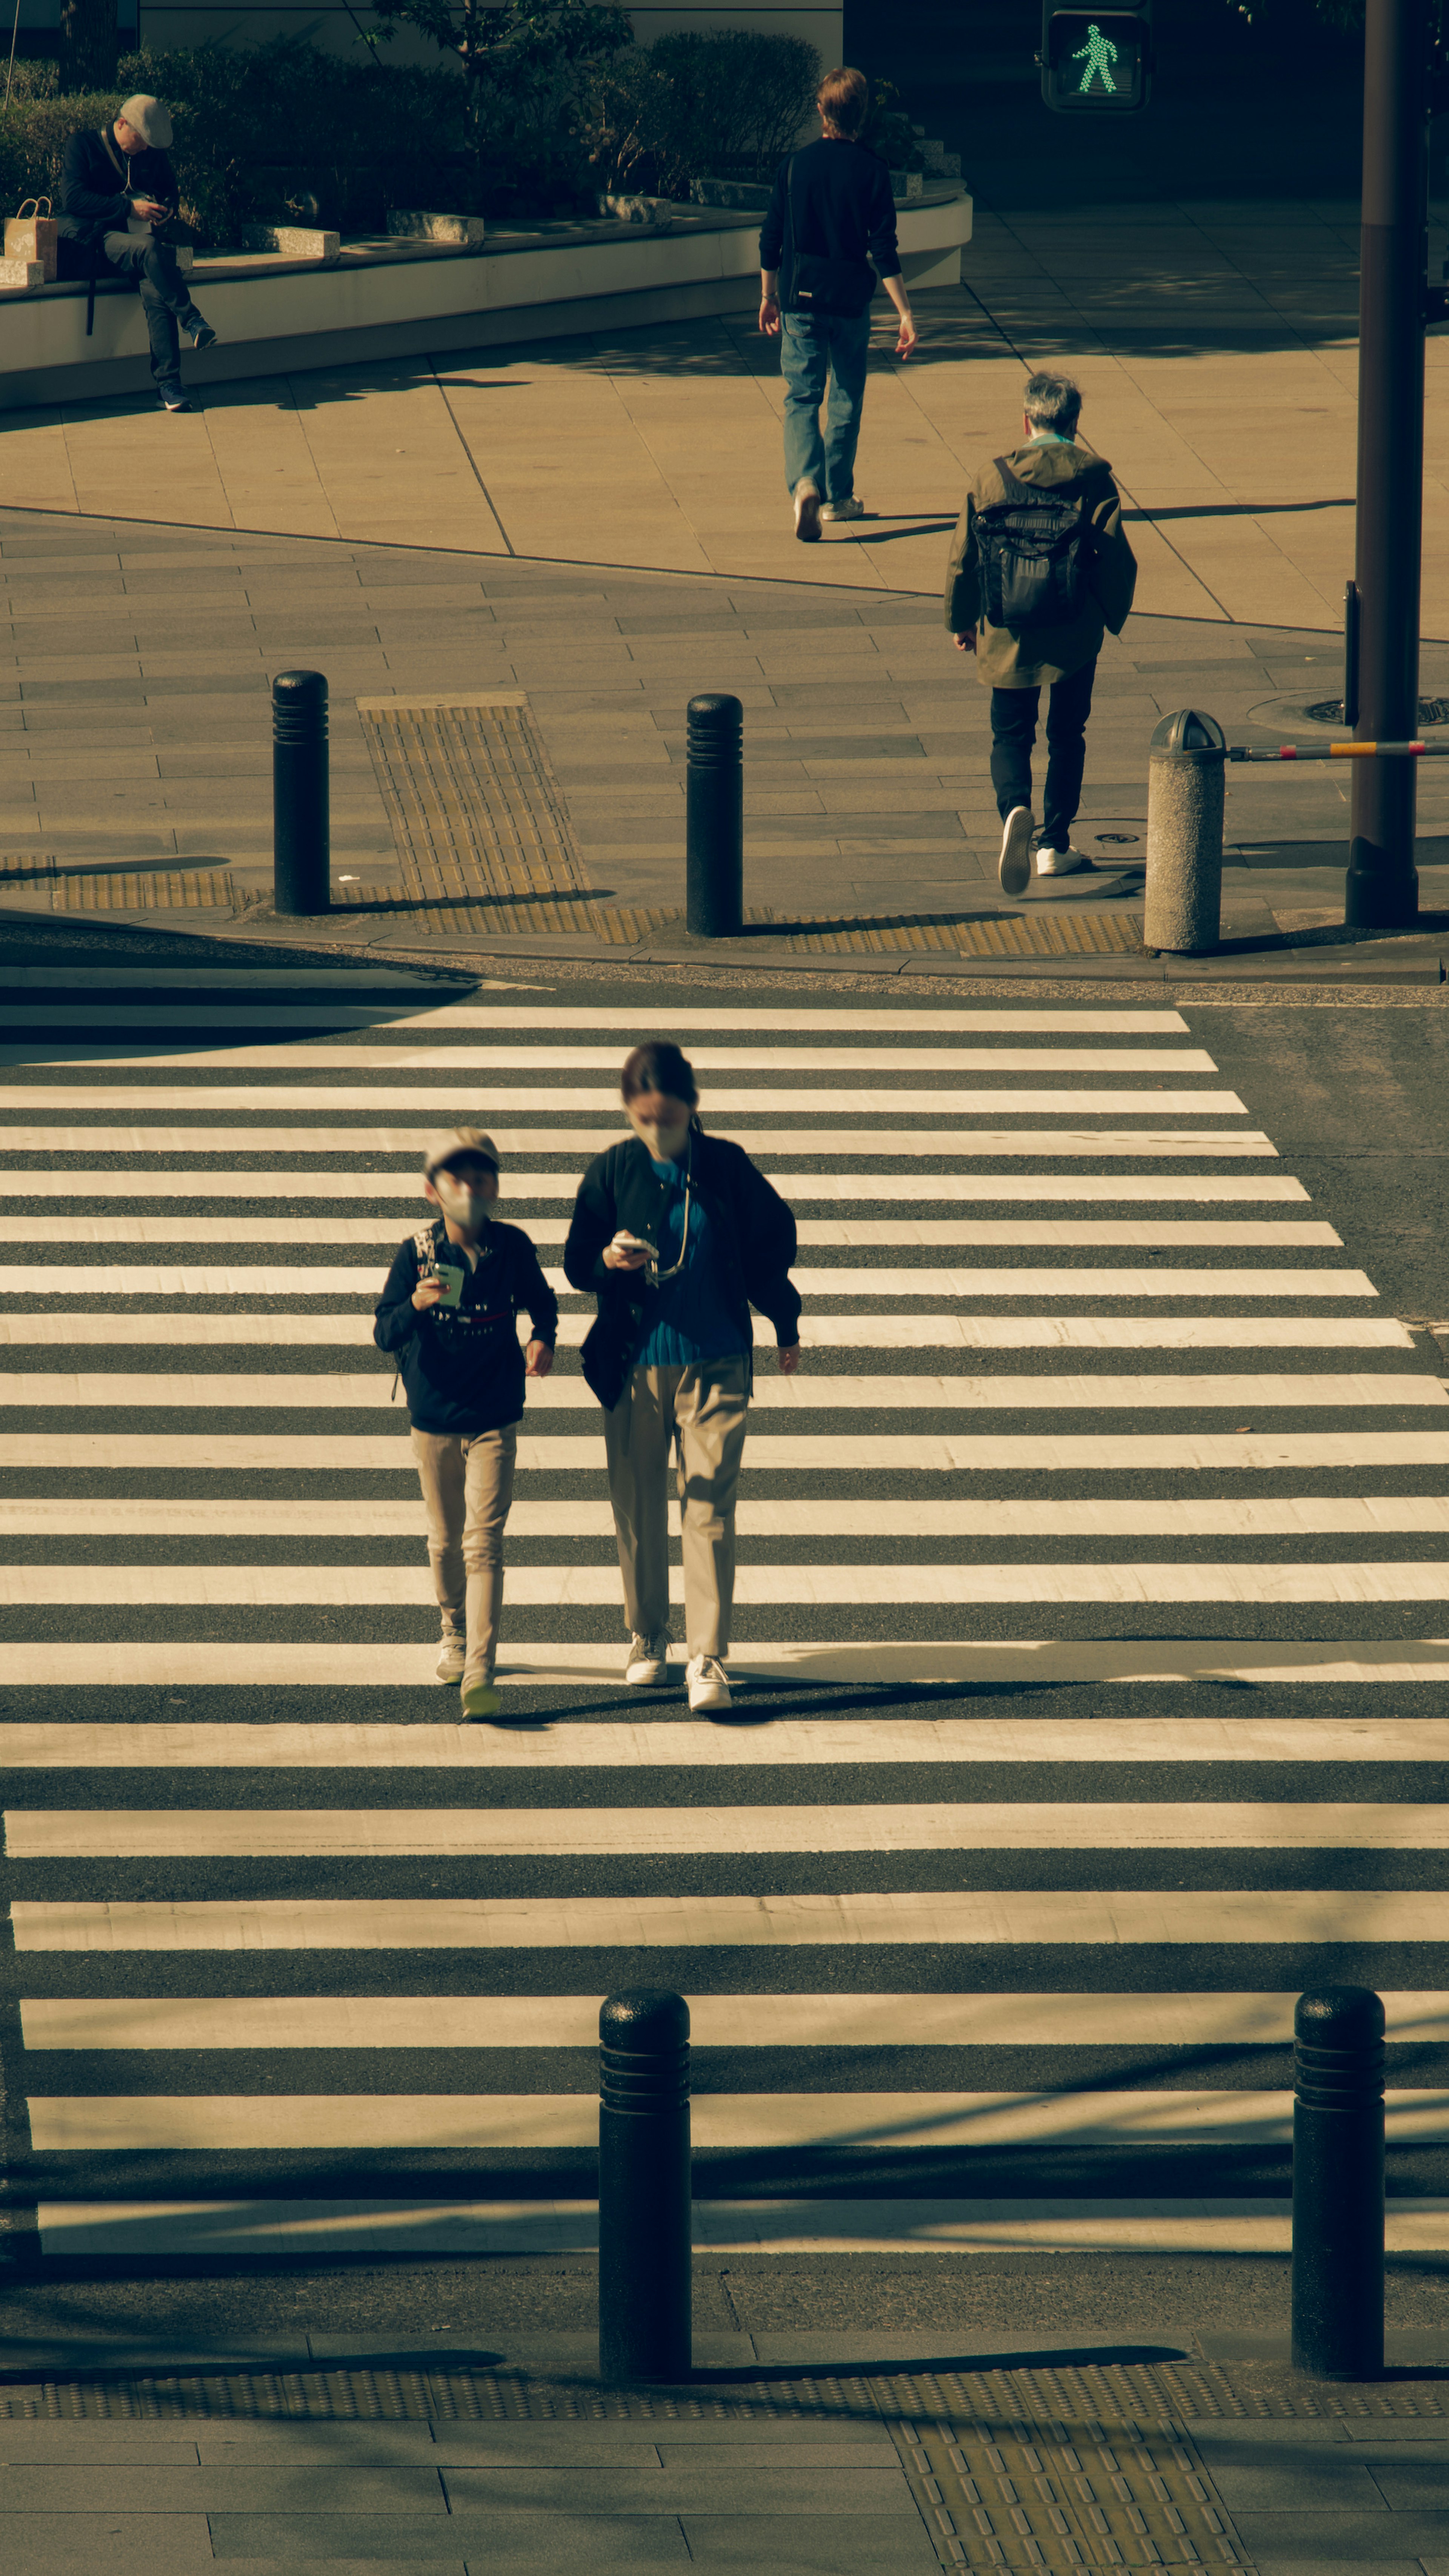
pixel 452 1656
pixel 807 514
pixel 1061 863
pixel 1014 865
pixel 848 509
pixel 648 1663
pixel 480 1699
pixel 708 1689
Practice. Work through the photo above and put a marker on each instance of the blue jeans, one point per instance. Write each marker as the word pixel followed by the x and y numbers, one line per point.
pixel 814 347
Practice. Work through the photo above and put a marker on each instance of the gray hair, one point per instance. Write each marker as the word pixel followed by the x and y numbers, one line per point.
pixel 1052 402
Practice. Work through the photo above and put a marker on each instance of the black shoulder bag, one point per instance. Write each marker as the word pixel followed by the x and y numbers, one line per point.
pixel 839 287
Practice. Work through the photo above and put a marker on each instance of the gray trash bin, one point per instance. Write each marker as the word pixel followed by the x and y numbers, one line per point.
pixel 1185 833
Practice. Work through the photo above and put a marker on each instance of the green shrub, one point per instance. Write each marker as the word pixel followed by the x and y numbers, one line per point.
pixel 725 104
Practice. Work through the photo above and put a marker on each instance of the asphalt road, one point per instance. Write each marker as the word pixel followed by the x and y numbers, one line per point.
pixel 1264 1685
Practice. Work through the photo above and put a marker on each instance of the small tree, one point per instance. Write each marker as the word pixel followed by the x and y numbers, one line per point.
pixel 90 44
pixel 525 63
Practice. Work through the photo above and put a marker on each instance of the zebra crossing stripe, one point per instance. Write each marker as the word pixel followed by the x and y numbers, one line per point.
pixel 1249 1233
pixel 927 1189
pixel 1098 1516
pixel 147 1016
pixel 1111 1391
pixel 963 1144
pixel 838 1453
pixel 551 1016
pixel 567 1832
pixel 62 2124
pixel 1076 1918
pixel 577 1587
pixel 172 1744
pixel 364 1279
pixel 874 2020
pixel 817 1332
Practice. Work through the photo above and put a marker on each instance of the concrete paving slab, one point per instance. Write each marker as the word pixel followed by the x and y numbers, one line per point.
pixel 515 2545
pixel 856 2545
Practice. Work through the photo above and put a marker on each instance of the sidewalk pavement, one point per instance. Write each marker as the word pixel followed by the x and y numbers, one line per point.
pixel 824 2455
pixel 135 760
pixel 1216 344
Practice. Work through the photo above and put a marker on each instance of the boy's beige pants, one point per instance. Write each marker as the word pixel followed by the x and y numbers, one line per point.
pixel 706 1407
pixel 467 1488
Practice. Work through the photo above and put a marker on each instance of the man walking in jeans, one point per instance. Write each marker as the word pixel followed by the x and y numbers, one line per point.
pixel 1040 569
pixel 832 222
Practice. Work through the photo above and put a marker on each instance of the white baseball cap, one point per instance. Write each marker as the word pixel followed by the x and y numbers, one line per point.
pixel 150 118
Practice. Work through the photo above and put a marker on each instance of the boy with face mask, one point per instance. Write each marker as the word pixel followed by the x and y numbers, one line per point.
pixel 449 1316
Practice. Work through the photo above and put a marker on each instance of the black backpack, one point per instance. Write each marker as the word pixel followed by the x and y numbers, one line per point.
pixel 1033 549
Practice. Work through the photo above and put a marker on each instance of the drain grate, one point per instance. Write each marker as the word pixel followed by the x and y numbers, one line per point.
pixel 471 795
pixel 1329 711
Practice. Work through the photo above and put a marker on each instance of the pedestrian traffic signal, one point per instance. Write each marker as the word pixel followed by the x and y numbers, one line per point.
pixel 1095 62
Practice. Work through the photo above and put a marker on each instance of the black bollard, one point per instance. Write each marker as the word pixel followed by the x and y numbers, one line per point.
pixel 301 806
pixel 1338 2183
pixel 714 820
pixel 644 2187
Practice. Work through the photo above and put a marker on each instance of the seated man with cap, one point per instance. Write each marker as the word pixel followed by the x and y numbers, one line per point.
pixel 117 186
pixel 449 1317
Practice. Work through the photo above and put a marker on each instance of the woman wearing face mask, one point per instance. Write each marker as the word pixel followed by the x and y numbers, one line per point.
pixel 449 1315
pixel 677 1235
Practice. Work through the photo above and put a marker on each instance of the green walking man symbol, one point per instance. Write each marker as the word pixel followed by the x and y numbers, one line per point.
pixel 1099 53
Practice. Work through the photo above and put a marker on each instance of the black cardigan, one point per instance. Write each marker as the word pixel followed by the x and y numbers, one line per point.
pixel 461 1367
pixel 753 1228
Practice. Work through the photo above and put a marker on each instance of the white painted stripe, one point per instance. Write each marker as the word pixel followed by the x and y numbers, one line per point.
pixel 836 1453
pixel 716 2021
pixel 914 1662
pixel 531 1101
pixel 974 1144
pixel 1299 1516
pixel 578 1587
pixel 321 2228
pixel 103 2123
pixel 146 1016
pixel 1007 1392
pixel 925 1189
pixel 1120 2020
pixel 1077 1917
pixel 818 1332
pixel 567 1832
pixel 1270 1233
pixel 365 1279
pixel 687 1743
pixel 1055 1023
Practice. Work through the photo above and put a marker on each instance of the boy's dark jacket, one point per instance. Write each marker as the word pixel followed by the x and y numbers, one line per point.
pixel 97 195
pixel 749 1223
pixel 461 1366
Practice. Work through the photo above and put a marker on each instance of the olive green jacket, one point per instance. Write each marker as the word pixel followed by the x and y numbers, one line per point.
pixel 1008 661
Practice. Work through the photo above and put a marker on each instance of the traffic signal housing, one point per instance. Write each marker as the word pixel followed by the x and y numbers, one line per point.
pixel 1095 62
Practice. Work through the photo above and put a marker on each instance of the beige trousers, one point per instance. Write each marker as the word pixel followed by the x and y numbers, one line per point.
pixel 704 1410
pixel 467 1488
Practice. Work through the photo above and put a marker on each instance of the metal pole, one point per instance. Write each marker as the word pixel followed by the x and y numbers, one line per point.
pixel 644 2187
pixel 301 817
pixel 1338 2183
pixel 1382 885
pixel 714 819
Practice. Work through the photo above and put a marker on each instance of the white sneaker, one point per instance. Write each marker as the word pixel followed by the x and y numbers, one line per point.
pixel 708 1688
pixel 480 1698
pixel 648 1663
pixel 1014 866
pixel 1061 863
pixel 850 509
pixel 807 514
pixel 452 1656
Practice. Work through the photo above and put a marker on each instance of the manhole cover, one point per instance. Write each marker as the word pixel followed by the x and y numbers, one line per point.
pixel 1118 840
pixel 1329 711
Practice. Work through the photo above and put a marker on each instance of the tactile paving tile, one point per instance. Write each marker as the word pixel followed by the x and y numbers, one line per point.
pixel 123 889
pixel 472 799
pixel 1056 934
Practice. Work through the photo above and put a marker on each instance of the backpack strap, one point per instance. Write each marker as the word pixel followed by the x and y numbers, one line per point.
pixel 1016 490
pixel 425 1248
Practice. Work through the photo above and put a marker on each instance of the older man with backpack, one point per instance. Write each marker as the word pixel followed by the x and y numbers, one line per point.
pixel 1040 570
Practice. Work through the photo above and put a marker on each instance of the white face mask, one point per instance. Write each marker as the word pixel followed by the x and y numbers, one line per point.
pixel 466 1207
